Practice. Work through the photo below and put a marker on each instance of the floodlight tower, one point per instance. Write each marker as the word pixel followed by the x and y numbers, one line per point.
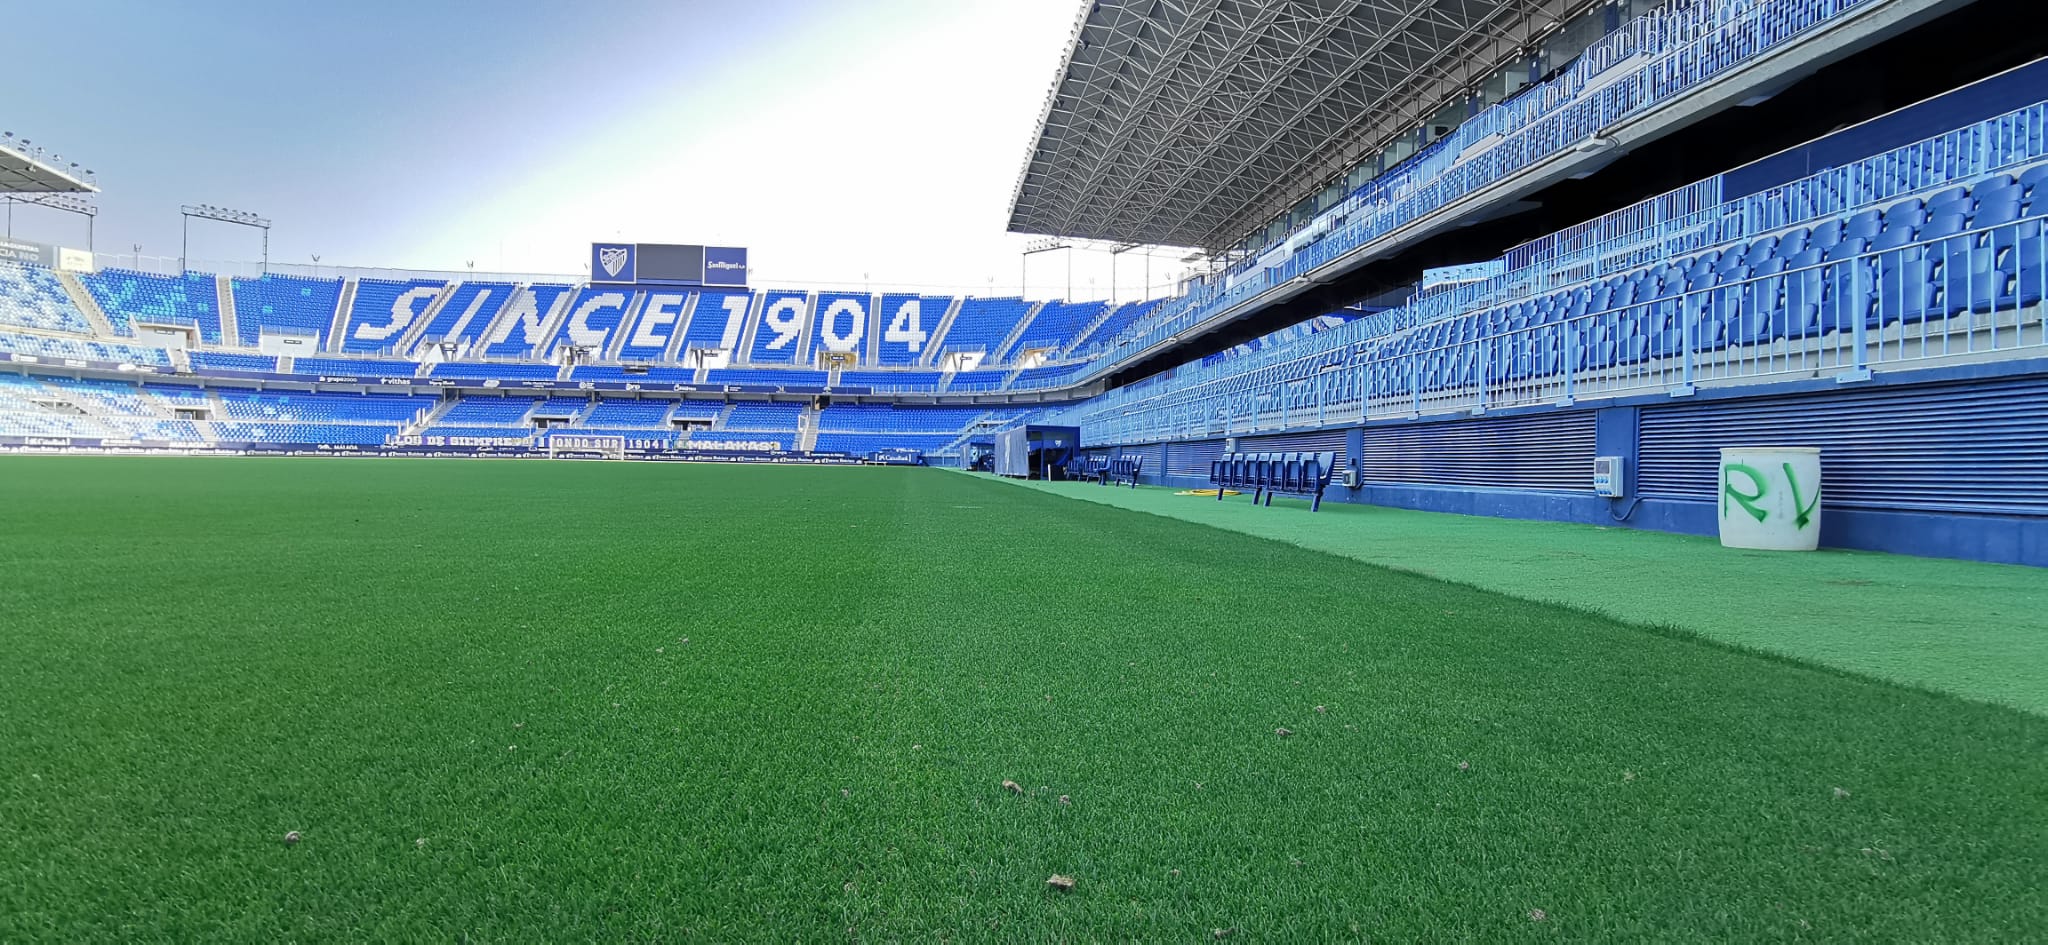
pixel 1118 250
pixel 32 174
pixel 68 203
pixel 1046 245
pixel 224 215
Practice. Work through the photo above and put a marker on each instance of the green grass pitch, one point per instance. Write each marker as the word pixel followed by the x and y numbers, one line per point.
pixel 603 701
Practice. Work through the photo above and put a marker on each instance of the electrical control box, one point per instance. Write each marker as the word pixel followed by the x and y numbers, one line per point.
pixel 1610 476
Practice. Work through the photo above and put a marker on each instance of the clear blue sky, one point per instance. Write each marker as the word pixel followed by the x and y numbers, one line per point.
pixel 842 142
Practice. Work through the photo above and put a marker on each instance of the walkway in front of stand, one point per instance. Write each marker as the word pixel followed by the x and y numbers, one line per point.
pixel 1967 628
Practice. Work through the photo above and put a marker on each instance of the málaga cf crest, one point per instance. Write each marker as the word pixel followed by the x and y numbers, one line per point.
pixel 613 259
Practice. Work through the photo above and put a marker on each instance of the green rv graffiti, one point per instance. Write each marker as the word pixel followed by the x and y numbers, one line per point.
pixel 1750 500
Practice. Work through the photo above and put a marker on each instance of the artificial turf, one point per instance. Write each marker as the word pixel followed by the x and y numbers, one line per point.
pixel 555 701
pixel 1963 627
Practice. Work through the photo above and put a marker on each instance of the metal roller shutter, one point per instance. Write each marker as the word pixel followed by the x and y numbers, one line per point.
pixel 1549 452
pixel 1325 441
pixel 1975 447
pixel 1155 457
pixel 1192 459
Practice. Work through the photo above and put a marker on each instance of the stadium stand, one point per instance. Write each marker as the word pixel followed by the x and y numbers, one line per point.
pixel 697 410
pixel 656 319
pixel 779 332
pixel 907 323
pixel 1055 327
pixel 560 408
pixel 594 312
pixel 650 414
pixel 383 310
pixel 978 381
pixel 32 297
pixel 767 378
pixel 741 441
pixel 1116 322
pixel 286 305
pixel 717 321
pixel 357 367
pixel 470 308
pixel 864 444
pixel 864 429
pixel 488 411
pixel 763 416
pixel 891 418
pixel 486 435
pixel 647 374
pixel 1909 267
pixel 58 348
pixel 839 325
pixel 1047 377
pixel 891 381
pixel 207 361
pixel 318 408
pixel 529 319
pixel 494 370
pixel 327 433
pixel 983 324
pixel 128 297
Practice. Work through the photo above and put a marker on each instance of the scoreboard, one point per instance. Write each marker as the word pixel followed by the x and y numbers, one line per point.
pixel 667 264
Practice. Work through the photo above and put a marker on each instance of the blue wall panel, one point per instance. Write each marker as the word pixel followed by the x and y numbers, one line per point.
pixel 1954 466
pixel 1545 451
pixel 1320 441
pixel 1968 447
pixel 1192 460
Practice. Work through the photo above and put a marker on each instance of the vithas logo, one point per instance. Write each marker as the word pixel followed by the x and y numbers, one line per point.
pixel 613 259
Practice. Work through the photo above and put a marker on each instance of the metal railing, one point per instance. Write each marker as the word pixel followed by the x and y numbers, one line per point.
pixel 1975 294
pixel 170 266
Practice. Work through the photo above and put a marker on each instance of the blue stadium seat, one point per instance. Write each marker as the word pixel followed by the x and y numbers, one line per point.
pixel 383 311
pixel 285 304
pixel 127 297
pixel 982 324
pixel 752 415
pixel 479 411
pixel 751 377
pixel 1268 474
pixel 33 297
pixel 470 308
pixel 494 370
pixel 358 367
pixel 643 414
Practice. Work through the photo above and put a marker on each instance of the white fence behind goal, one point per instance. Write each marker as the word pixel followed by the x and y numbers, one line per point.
pixel 583 444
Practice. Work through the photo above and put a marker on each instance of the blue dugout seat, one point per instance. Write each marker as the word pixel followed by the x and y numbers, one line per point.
pixel 1268 474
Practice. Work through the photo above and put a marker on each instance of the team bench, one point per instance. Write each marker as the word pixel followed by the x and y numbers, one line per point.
pixel 1122 469
pixel 1265 474
pixel 1085 468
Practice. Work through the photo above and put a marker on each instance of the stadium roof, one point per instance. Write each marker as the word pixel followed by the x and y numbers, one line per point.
pixel 1188 122
pixel 27 171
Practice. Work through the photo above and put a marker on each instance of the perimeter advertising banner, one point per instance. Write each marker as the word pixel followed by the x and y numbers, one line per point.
pixel 667 264
pixel 33 254
pixel 49 257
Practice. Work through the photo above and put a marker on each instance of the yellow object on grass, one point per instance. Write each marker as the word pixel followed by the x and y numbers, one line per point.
pixel 1207 492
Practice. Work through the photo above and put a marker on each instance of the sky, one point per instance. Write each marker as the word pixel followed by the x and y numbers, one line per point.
pixel 870 144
